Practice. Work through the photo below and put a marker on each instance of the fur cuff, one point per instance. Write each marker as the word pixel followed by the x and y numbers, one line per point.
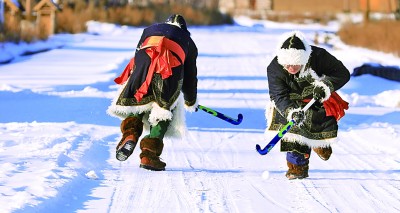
pixel 290 113
pixel 159 114
pixel 192 108
pixel 325 87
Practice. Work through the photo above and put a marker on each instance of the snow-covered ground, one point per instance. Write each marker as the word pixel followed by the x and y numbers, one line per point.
pixel 57 145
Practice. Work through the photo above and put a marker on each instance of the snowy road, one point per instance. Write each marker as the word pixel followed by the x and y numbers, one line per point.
pixel 57 145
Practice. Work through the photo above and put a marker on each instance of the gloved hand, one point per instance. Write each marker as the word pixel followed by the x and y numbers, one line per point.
pixel 319 93
pixel 298 116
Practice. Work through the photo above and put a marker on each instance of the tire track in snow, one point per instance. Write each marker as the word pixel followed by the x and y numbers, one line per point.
pixel 141 190
pixel 361 186
pixel 314 192
pixel 358 155
pixel 381 165
pixel 268 198
pixel 378 162
pixel 70 148
pixel 197 167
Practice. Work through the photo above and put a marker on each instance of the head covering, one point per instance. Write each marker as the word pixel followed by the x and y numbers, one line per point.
pixel 293 49
pixel 177 20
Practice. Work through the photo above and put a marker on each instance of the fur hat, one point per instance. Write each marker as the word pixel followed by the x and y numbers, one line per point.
pixel 293 49
pixel 177 20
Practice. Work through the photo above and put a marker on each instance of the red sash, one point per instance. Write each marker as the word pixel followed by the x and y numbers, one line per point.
pixel 162 61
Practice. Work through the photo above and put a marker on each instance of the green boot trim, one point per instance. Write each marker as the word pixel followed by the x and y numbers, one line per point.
pixel 159 130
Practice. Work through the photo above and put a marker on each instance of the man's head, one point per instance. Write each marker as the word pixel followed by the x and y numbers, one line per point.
pixel 293 51
pixel 177 20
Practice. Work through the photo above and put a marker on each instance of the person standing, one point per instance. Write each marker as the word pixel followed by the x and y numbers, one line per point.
pixel 298 73
pixel 157 84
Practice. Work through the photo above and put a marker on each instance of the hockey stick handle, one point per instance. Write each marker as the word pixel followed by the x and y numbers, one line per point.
pixel 305 108
pixel 221 116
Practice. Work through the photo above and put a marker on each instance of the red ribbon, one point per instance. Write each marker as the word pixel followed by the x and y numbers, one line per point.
pixel 126 73
pixel 162 61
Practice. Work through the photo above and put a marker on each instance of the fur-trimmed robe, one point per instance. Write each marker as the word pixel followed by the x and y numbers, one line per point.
pixel 288 91
pixel 167 98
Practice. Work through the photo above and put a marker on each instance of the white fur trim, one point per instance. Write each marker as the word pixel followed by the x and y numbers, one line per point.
pixel 177 127
pixel 269 109
pixel 123 112
pixel 173 23
pixel 293 56
pixel 325 87
pixel 290 113
pixel 290 137
pixel 192 108
pixel 269 134
pixel 306 72
pixel 158 114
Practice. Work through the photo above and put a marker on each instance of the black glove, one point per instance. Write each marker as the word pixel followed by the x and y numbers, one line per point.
pixel 298 116
pixel 319 93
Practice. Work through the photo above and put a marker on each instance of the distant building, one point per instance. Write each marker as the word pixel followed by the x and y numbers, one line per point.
pixel 246 7
pixel 46 17
pixel 262 7
pixel 12 12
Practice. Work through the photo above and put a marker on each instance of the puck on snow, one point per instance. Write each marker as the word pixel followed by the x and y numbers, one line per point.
pixel 265 174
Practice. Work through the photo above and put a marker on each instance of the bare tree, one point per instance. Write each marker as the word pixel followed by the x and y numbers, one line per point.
pixel 1 12
pixel 367 11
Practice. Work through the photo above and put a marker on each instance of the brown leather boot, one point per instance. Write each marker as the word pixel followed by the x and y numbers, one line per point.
pixel 323 152
pixel 131 128
pixel 150 156
pixel 296 171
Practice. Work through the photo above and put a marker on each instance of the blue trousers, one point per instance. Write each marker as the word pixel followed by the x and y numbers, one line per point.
pixel 297 158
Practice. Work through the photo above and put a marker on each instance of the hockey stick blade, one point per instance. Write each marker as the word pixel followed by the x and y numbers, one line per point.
pixel 281 133
pixel 222 116
pixel 275 140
